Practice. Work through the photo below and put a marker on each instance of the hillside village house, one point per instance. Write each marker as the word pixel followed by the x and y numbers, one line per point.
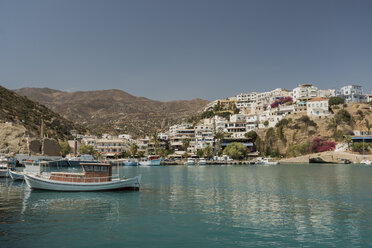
pixel 318 107
pixel 304 92
pixel 351 93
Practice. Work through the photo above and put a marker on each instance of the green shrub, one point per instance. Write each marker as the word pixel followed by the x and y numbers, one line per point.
pixel 335 100
pixel 361 147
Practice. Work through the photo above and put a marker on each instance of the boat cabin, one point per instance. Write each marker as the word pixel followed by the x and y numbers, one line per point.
pixel 92 172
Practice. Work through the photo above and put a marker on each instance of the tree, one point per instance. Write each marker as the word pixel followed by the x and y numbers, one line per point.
pixel 343 116
pixel 185 144
pixel 218 137
pixel 86 149
pixel 200 153
pixel 141 154
pixel 335 100
pixel 208 151
pixel 251 135
pixel 348 140
pixel 266 123
pixel 236 150
pixel 133 149
pixel 65 148
pixel 155 139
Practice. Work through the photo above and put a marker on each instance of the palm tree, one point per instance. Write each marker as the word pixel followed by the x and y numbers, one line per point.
pixel 133 149
pixel 155 139
pixel 185 144
pixel 218 137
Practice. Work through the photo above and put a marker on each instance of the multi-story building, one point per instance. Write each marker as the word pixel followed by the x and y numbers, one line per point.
pixel 326 93
pixel 251 122
pixel 318 107
pixel 245 100
pixel 304 92
pixel 351 93
pixel 204 134
pixel 111 147
pixel 178 134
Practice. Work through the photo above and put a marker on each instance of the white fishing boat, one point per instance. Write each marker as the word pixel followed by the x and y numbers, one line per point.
pixel 16 175
pixel 152 160
pixel 190 161
pixel 267 161
pixel 4 167
pixel 366 162
pixel 202 161
pixel 95 177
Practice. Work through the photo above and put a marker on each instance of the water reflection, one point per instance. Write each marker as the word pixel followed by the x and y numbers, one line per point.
pixel 286 205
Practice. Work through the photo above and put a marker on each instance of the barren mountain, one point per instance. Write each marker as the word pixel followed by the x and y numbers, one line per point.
pixel 114 111
pixel 20 121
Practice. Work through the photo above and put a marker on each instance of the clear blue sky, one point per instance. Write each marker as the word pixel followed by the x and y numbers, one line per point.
pixel 185 49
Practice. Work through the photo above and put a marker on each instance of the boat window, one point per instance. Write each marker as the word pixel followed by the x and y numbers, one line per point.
pixel 88 168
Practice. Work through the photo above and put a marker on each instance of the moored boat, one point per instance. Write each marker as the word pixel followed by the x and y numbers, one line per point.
pixel 366 162
pixel 131 162
pixel 16 175
pixel 202 161
pixel 4 171
pixel 267 161
pixel 190 161
pixel 152 160
pixel 95 177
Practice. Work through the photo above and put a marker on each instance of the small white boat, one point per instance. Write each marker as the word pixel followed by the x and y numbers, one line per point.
pixel 16 175
pixel 267 161
pixel 190 161
pixel 95 177
pixel 4 167
pixel 202 161
pixel 131 162
pixel 366 162
pixel 152 160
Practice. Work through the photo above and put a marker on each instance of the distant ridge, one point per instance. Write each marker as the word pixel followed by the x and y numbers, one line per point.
pixel 114 111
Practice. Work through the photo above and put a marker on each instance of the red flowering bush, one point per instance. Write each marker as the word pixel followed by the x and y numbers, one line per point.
pixel 318 145
pixel 281 101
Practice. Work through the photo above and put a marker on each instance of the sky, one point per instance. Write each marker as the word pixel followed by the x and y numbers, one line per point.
pixel 173 49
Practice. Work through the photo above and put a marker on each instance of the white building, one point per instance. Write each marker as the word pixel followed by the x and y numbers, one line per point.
pixel 204 134
pixel 326 93
pixel 304 92
pixel 252 122
pixel 352 93
pixel 318 107
pixel 111 147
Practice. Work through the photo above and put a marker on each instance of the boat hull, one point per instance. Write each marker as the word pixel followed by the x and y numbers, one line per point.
pixel 130 163
pixel 155 162
pixel 16 176
pixel 4 173
pixel 36 182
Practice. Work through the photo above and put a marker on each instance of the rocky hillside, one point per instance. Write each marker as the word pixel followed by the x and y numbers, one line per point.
pixel 21 118
pixel 293 136
pixel 114 111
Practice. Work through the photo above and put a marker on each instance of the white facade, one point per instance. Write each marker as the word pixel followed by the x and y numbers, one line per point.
pixel 326 93
pixel 352 93
pixel 304 91
pixel 318 107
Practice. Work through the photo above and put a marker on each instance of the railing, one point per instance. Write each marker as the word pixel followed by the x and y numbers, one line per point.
pixel 83 179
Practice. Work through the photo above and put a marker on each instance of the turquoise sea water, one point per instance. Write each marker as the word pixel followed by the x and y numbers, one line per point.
pixel 209 206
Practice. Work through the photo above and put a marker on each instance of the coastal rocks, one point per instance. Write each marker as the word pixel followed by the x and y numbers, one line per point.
pixel 13 138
